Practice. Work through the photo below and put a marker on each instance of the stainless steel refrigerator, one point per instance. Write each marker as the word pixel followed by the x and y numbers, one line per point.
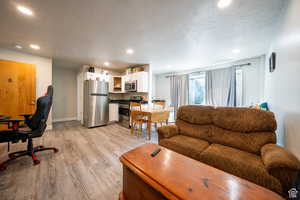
pixel 95 111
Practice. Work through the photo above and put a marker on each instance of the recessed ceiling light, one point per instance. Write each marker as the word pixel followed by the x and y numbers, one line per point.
pixel 19 46
pixel 169 66
pixel 236 51
pixel 224 3
pixel 129 51
pixel 34 46
pixel 25 10
pixel 106 64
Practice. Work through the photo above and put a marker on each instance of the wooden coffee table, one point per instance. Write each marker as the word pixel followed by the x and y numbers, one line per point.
pixel 170 175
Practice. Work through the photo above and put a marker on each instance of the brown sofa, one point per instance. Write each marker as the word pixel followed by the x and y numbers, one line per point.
pixel 240 141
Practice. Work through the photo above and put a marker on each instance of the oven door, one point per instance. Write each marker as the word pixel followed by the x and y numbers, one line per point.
pixel 124 111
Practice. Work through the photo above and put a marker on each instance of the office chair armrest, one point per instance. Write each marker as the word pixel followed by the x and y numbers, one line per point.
pixel 27 119
pixel 26 116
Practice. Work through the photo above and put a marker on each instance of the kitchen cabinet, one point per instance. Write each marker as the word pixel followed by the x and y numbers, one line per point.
pixel 142 81
pixel 116 84
pixel 141 78
pixel 113 112
pixel 95 76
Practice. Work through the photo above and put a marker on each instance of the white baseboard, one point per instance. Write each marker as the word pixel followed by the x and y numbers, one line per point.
pixel 49 127
pixel 65 119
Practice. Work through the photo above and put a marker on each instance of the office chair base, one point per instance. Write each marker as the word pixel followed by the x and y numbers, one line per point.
pixel 28 152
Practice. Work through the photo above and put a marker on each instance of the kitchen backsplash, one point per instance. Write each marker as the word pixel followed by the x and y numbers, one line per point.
pixel 127 96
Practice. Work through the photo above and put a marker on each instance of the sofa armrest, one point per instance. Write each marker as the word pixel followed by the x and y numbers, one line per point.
pixel 274 156
pixel 281 164
pixel 167 131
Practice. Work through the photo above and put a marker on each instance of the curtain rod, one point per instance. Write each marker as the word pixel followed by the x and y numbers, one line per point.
pixel 199 71
pixel 241 65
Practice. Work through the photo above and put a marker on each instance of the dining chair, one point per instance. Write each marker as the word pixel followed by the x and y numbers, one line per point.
pixel 161 118
pixel 135 106
pixel 159 105
pixel 137 118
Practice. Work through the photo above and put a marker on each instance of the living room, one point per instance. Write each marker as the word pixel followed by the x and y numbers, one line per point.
pixel 149 99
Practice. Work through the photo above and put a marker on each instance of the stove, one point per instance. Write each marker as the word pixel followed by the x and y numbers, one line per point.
pixel 124 109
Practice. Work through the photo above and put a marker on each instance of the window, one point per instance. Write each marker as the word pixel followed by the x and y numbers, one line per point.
pixel 197 88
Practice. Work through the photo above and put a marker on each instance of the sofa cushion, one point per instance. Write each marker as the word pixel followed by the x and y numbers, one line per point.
pixel 244 119
pixel 240 163
pixel 201 115
pixel 185 145
pixel 250 142
pixel 194 130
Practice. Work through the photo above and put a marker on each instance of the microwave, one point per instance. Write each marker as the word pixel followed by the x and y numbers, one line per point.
pixel 131 86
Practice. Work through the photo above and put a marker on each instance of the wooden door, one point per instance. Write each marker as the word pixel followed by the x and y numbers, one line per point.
pixel 17 88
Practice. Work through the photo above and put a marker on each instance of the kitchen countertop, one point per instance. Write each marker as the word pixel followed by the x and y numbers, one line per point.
pixel 123 101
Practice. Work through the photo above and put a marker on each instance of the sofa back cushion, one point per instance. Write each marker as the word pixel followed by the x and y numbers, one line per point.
pixel 243 128
pixel 201 115
pixel 195 121
pixel 244 120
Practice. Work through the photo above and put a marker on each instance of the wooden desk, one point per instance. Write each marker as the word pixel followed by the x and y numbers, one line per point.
pixel 3 124
pixel 155 116
pixel 170 175
pixel 4 117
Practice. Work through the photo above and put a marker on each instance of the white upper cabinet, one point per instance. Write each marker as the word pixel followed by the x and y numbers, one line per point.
pixel 117 83
pixel 96 76
pixel 142 81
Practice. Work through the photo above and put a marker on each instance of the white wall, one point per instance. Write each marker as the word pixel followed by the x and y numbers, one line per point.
pixel 282 87
pixel 65 96
pixel 162 88
pixel 253 81
pixel 43 71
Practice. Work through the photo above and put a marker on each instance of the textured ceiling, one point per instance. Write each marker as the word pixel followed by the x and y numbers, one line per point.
pixel 181 34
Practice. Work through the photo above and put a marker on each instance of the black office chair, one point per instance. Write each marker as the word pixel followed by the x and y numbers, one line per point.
pixel 36 124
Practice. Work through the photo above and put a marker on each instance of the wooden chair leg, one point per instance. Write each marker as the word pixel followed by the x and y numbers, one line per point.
pixel 132 129
pixel 140 129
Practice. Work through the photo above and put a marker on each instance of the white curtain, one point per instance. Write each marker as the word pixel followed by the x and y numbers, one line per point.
pixel 179 90
pixel 221 87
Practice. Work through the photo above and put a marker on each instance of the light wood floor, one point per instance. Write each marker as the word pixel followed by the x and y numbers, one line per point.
pixel 87 166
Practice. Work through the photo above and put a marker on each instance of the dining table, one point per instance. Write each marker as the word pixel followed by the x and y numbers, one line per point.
pixel 155 115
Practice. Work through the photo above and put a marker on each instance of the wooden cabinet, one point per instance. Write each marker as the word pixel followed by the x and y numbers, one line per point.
pixel 116 84
pixel 170 175
pixel 113 112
